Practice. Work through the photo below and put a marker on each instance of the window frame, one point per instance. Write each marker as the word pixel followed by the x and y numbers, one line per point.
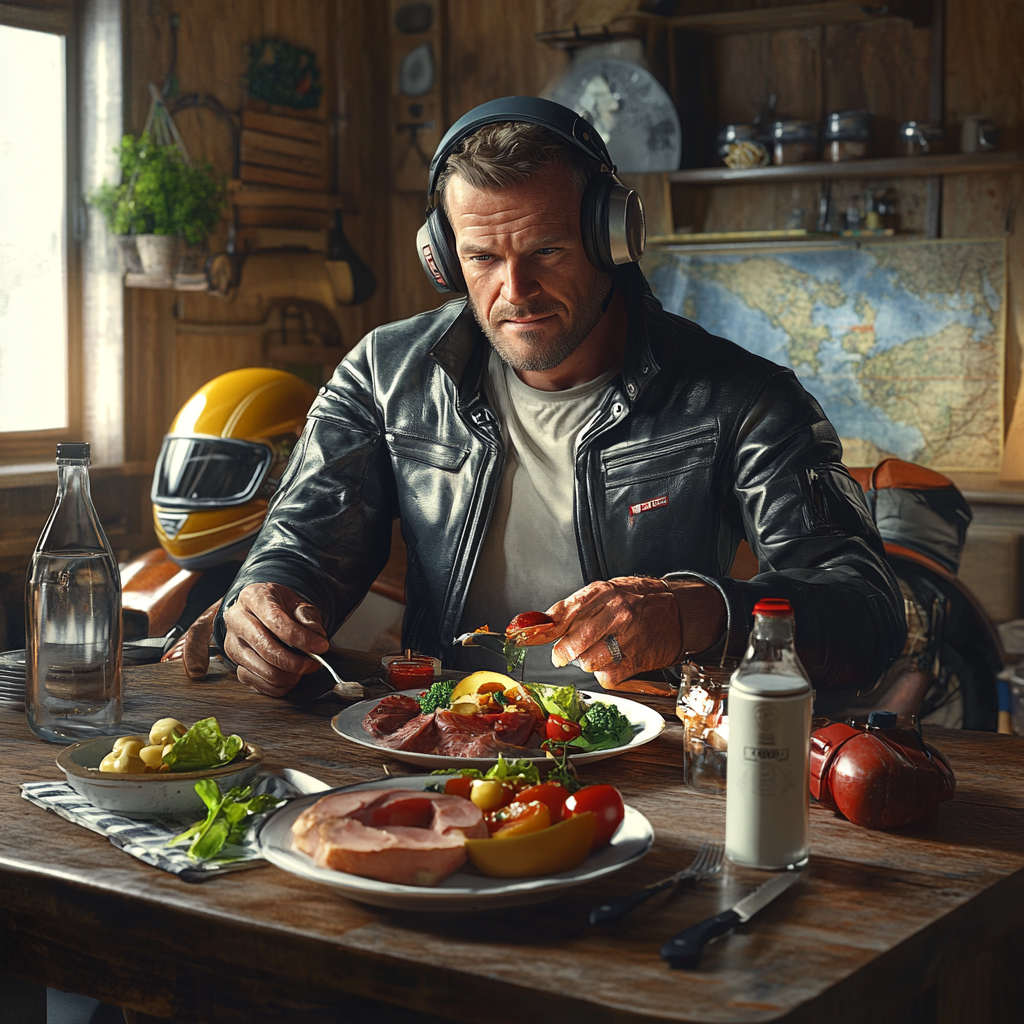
pixel 33 446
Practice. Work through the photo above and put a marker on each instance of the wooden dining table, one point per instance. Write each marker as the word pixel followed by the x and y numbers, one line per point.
pixel 921 924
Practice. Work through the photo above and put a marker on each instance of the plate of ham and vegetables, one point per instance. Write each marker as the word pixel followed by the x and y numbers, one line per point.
pixel 468 841
pixel 469 723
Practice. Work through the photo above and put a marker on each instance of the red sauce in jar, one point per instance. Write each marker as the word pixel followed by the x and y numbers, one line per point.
pixel 407 673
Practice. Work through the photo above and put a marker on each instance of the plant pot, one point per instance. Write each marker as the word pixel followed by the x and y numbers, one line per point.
pixel 129 253
pixel 160 254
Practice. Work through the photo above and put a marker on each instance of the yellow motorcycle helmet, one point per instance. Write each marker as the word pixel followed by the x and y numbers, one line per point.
pixel 221 462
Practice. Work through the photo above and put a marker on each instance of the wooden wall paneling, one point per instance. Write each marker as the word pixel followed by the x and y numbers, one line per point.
pixel 493 52
pixel 985 66
pixel 990 567
pixel 881 66
pixel 656 195
pixel 359 32
pixel 148 370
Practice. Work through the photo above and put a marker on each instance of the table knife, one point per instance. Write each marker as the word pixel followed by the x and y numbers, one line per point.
pixel 685 949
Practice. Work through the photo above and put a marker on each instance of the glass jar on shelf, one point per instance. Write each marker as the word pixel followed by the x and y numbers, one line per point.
pixel 794 142
pixel 703 707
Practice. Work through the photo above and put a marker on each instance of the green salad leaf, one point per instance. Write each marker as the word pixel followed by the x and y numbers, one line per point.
pixel 504 771
pixel 515 654
pixel 227 821
pixel 202 747
pixel 558 700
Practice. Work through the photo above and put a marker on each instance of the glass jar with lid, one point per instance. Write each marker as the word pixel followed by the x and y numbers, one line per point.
pixel 703 707
pixel 794 141
pixel 847 134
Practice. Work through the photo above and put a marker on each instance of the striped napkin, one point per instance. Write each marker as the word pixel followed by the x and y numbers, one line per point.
pixel 147 840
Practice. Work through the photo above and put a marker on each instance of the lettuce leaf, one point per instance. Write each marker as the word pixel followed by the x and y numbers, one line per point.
pixel 202 747
pixel 558 700
pixel 228 819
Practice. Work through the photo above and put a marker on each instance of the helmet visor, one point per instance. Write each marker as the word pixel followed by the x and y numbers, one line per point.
pixel 208 472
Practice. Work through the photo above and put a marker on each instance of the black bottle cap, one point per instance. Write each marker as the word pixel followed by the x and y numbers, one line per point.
pixel 75 451
pixel 882 720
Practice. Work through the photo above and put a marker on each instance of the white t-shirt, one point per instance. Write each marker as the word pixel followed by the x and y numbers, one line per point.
pixel 530 558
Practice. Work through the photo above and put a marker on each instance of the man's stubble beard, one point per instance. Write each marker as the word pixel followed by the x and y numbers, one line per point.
pixel 554 352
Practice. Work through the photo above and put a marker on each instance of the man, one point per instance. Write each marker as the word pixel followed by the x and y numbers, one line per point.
pixel 558 440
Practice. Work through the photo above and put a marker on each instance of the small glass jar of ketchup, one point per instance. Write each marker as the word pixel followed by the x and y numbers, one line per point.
pixel 410 670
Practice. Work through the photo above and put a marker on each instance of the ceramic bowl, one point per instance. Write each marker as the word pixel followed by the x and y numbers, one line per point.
pixel 160 795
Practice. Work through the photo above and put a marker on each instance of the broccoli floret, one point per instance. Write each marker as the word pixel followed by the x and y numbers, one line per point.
pixel 438 696
pixel 606 725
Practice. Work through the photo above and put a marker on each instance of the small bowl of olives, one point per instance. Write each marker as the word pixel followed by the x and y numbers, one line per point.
pixel 129 774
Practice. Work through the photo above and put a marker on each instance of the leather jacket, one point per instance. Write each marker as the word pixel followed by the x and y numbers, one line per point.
pixel 697 444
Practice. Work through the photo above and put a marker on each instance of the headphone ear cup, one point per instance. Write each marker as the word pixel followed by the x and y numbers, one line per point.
pixel 435 244
pixel 612 223
pixel 594 222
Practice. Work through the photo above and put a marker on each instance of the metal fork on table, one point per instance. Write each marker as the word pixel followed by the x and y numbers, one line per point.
pixel 707 861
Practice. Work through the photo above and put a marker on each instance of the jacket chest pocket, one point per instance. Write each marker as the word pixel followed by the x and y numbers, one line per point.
pixel 425 451
pixel 643 462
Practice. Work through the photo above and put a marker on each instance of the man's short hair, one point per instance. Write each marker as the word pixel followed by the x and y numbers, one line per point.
pixel 503 155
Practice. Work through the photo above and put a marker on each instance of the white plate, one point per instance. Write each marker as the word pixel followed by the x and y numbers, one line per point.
pixel 466 889
pixel 349 724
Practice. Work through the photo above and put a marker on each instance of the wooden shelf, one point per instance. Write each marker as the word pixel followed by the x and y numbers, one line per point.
pixel 887 167
pixel 763 19
pixel 177 282
pixel 241 193
pixel 769 19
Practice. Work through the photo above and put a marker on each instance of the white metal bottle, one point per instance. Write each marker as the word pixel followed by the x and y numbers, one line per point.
pixel 766 809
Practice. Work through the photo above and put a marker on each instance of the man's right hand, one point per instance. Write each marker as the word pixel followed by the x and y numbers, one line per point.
pixel 264 615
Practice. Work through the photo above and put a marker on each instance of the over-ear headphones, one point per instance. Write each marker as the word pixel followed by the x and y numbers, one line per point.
pixel 611 215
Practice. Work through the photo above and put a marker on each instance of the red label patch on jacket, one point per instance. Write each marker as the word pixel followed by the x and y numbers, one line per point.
pixel 646 506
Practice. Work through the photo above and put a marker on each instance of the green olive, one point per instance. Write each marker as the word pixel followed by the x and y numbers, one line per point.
pixel 123 763
pixel 167 730
pixel 123 741
pixel 152 755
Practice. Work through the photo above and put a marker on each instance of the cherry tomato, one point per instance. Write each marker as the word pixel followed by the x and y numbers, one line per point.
pixel 459 785
pixel 525 619
pixel 518 819
pixel 606 804
pixel 552 793
pixel 561 730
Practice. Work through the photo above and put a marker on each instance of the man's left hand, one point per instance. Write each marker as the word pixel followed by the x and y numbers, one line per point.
pixel 637 614
pixel 631 624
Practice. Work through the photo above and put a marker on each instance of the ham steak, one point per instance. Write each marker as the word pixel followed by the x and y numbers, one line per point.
pixel 407 837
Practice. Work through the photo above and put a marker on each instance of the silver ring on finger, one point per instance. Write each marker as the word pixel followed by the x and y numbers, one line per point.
pixel 613 649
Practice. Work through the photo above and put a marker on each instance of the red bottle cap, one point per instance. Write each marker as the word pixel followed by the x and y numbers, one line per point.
pixel 773 607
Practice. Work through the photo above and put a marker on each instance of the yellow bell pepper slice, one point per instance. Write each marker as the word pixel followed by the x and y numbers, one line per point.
pixel 559 848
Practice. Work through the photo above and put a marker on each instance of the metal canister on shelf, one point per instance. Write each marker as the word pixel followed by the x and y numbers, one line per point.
pixel 919 138
pixel 766 813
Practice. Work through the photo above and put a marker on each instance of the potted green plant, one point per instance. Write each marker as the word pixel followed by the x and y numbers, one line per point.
pixel 163 201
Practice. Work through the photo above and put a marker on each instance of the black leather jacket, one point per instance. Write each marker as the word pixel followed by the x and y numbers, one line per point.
pixel 722 443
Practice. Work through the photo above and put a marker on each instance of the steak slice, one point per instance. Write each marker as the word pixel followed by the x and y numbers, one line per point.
pixel 390 714
pixel 418 736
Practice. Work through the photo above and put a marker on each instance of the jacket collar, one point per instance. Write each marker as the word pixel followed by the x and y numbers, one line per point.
pixel 463 347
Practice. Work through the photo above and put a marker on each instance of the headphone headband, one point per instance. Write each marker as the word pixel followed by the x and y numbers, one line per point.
pixel 557 119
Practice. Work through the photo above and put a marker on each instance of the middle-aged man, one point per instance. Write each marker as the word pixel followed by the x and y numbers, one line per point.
pixel 557 439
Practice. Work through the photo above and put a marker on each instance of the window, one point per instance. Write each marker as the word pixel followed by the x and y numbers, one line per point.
pixel 33 233
pixel 61 301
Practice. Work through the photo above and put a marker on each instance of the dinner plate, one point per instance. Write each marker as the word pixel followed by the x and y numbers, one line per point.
pixel 465 890
pixel 647 725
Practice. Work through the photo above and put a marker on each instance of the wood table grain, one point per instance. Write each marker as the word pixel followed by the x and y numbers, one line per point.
pixel 921 924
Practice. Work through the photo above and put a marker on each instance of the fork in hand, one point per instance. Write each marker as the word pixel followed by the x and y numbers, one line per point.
pixel 707 861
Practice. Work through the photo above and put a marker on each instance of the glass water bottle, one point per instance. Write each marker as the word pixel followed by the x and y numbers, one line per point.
pixel 73 615
pixel 767 782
